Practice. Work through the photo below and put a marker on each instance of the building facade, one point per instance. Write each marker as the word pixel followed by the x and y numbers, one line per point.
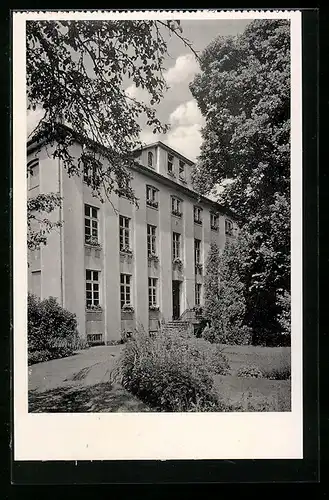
pixel 119 267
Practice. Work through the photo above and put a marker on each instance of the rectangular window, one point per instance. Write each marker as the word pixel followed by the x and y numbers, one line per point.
pixel 124 187
pixel 176 206
pixel 125 290
pixel 198 215
pixel 152 196
pixel 90 175
pixel 92 288
pixel 228 227
pixel 197 251
pixel 33 170
pixel 124 233
pixel 198 294
pixel 181 170
pixel 153 282
pixel 170 164
pixel 214 222
pixel 176 245
pixel 151 239
pixel 91 224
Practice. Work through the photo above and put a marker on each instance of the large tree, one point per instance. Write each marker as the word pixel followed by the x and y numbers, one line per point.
pixel 77 72
pixel 243 91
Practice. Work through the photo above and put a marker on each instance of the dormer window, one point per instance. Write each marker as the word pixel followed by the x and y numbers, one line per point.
pixel 150 159
pixel 170 164
pixel 182 170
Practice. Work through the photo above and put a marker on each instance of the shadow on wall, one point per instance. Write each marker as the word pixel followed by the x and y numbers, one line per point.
pixel 103 397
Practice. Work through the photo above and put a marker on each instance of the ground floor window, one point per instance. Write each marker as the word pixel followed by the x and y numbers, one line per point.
pixel 153 292
pixel 125 289
pixel 92 288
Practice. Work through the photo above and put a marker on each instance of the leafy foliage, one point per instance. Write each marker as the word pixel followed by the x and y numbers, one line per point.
pixel 52 330
pixel 172 372
pixel 39 225
pixel 247 371
pixel 243 91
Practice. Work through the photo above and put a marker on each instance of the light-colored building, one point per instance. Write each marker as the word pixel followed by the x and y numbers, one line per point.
pixel 117 266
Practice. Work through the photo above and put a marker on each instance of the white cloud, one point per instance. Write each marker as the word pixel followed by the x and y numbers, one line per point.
pixel 185 68
pixel 187 113
pixel 138 93
pixel 148 137
pixel 186 140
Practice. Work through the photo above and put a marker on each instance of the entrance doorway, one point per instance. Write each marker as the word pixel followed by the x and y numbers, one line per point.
pixel 175 299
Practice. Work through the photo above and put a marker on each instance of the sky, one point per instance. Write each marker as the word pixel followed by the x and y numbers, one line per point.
pixel 178 108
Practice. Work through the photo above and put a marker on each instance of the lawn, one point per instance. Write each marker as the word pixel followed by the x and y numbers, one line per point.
pixel 256 394
pixel 82 383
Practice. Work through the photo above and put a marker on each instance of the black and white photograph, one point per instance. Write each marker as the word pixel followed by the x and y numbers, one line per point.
pixel 156 207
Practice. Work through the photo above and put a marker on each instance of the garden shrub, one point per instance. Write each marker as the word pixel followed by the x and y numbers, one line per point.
pixel 171 372
pixel 277 373
pixel 52 330
pixel 249 371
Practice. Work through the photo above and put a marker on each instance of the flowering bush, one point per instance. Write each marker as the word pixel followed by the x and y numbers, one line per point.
pixel 153 256
pixel 171 372
pixel 126 250
pixel 127 308
pixel 249 371
pixel 177 262
pixel 52 330
pixel 152 203
pixel 177 213
pixel 93 241
pixel 153 308
pixel 94 308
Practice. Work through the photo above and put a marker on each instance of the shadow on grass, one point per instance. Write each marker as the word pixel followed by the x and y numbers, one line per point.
pixel 102 397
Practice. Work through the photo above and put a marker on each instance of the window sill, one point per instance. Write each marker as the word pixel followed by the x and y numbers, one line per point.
pixel 176 214
pixel 198 222
pixel 214 228
pixel 155 207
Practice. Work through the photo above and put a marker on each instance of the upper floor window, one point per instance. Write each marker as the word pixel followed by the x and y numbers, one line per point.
pixel 214 222
pixel 170 164
pixel 176 206
pixel 124 233
pixel 125 290
pixel 181 170
pixel 198 215
pixel 176 245
pixel 197 251
pixel 153 285
pixel 92 288
pixel 152 196
pixel 33 173
pixel 228 227
pixel 150 159
pixel 151 240
pixel 124 187
pixel 91 225
pixel 90 174
pixel 198 294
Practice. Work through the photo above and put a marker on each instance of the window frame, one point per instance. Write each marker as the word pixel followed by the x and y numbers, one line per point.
pixel 181 168
pixel 92 220
pixel 214 221
pixel 152 291
pixel 197 210
pixel 124 234
pixel 176 206
pixel 152 200
pixel 151 239
pixel 92 290
pixel 150 155
pixel 197 251
pixel 33 170
pixel 176 245
pixel 197 294
pixel 228 227
pixel 125 289
pixel 170 161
